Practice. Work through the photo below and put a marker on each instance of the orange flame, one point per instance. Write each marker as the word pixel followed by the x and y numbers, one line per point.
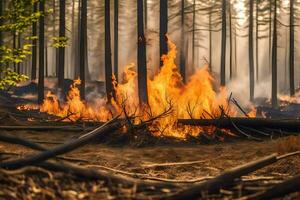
pixel 197 99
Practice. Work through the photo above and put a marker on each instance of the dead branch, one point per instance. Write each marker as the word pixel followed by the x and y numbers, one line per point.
pixel 45 128
pixel 171 164
pixel 19 141
pixel 64 148
pixel 286 187
pixel 223 180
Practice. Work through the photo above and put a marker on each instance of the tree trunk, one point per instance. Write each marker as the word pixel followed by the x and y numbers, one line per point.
pixel 19 47
pixel 230 41
pixel 1 22
pixel 34 45
pixel 108 64
pixel 82 47
pixel 250 51
pixel 182 50
pixel 223 44
pixel 163 28
pixel 274 58
pixel 270 35
pixel 14 48
pixel 61 50
pixel 141 55
pixel 41 52
pixel 193 35
pixel 146 14
pixel 257 41
pixel 210 38
pixel 77 47
pixel 292 48
pixel 116 38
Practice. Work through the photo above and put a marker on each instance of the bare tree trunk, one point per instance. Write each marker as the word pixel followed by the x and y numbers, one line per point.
pixel 141 55
pixel 77 48
pixel 82 47
pixel 61 50
pixel 46 58
pixel 14 48
pixel 210 38
pixel 19 46
pixel 146 14
pixel 230 41
pixel 270 35
pixel 182 40
pixel 34 45
pixel 163 28
pixel 223 44
pixel 193 35
pixel 250 51
pixel 41 52
pixel 74 42
pixel 274 58
pixel 108 64
pixel 292 50
pixel 257 40
pixel 116 38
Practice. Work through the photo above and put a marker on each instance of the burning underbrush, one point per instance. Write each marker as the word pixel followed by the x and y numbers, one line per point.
pixel 169 99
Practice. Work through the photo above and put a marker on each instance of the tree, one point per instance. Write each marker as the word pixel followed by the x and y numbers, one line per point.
pixel 41 52
pixel 141 55
pixel 223 44
pixel 61 40
pixel 34 44
pixel 274 57
pixel 1 22
pixel 116 38
pixel 230 41
pixel 163 28
pixel 82 46
pixel 256 38
pixel 250 50
pixel 292 50
pixel 108 64
pixel 193 34
pixel 182 40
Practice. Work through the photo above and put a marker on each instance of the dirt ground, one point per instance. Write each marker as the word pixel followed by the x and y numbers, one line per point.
pixel 213 159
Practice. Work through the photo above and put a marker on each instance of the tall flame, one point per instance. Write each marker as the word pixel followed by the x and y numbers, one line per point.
pixel 195 99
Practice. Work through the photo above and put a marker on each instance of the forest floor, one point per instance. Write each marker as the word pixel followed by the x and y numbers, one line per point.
pixel 213 159
pixel 188 163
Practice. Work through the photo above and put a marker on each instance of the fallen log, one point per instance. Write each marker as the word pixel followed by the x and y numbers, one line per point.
pixel 46 128
pixel 223 180
pixel 285 124
pixel 226 179
pixel 64 148
pixel 20 141
pixel 286 187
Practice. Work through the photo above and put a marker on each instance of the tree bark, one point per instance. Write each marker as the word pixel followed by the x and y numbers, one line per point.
pixel 223 45
pixel 230 41
pixel 250 51
pixel 257 41
pixel 141 56
pixel 61 50
pixel 116 38
pixel 270 35
pixel 274 58
pixel 82 46
pixel 292 50
pixel 193 34
pixel 163 28
pixel 41 52
pixel 210 38
pixel 108 64
pixel 34 45
pixel 182 40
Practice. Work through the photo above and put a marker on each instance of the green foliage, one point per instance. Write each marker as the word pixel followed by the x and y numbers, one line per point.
pixel 16 19
pixel 59 42
pixel 11 78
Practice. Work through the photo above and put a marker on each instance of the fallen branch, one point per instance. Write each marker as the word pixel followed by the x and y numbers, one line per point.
pixel 171 164
pixel 288 124
pixel 46 128
pixel 64 148
pixel 223 180
pixel 286 187
pixel 227 178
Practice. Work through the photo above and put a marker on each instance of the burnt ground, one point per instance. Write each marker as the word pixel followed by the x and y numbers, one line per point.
pixel 214 159
pixel 133 158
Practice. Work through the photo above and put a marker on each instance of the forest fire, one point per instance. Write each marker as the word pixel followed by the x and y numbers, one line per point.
pixel 195 99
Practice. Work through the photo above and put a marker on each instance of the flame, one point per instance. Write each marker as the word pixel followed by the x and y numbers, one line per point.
pixel 195 99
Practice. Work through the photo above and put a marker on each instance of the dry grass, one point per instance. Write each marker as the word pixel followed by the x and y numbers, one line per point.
pixel 288 144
